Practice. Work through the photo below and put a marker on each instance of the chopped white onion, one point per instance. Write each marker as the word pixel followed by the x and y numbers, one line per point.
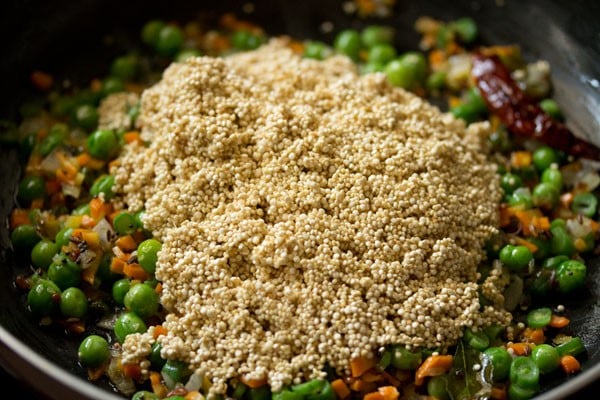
pixel 116 375
pixel 194 383
pixel 106 234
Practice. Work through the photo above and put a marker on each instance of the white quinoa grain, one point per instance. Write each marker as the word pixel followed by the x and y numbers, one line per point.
pixel 307 214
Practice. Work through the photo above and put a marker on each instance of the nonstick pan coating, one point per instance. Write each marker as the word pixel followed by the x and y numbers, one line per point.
pixel 78 39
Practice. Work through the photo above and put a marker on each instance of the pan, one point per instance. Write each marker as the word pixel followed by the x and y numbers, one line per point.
pixel 75 40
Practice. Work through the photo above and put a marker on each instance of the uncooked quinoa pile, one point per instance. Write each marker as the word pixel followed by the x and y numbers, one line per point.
pixel 307 215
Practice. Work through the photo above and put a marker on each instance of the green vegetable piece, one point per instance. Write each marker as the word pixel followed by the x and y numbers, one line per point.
pixel 30 188
pixel 385 359
pixel 176 370
pixel 58 133
pixel 64 272
pixel 436 80
pixel 381 54
pixel 261 393
pixel 73 303
pixel 373 35
pixel 477 340
pixel 124 67
pixel 573 347
pixel 127 323
pixel 103 144
pixel 24 238
pixel 553 176
pixel 144 395
pixel 539 318
pixel 545 196
pixel 42 253
pixel 465 28
pixel 43 297
pixel 104 184
pixel 510 182
pixel 169 41
pixel 517 392
pixel 544 248
pixel 524 372
pixel 501 360
pixel 86 116
pixel 546 357
pixel 348 42
pixel 282 395
pixel 120 289
pixel 570 275
pixel 93 351
pixel 186 54
pixel 551 108
pixel 156 359
pixel 408 71
pixel 316 49
pixel 141 299
pixel 244 40
pixel 516 258
pixel 147 254
pixel 554 262
pixel 544 157
pixel 561 241
pixel 310 387
pixel 124 223
pixel 521 198
pixel 151 31
pixel 405 359
pixel 585 204
pixel 436 387
pixel 63 237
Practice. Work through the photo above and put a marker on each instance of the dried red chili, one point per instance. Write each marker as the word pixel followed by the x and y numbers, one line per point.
pixel 522 115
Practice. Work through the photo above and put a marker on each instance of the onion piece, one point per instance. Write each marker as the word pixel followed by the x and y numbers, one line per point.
pixel 117 376
pixel 106 233
pixel 194 383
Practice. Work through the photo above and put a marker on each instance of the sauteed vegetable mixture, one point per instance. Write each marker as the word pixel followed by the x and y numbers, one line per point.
pixel 99 260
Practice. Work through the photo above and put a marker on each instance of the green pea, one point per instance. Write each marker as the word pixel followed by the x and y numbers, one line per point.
pixel 128 323
pixel 570 275
pixel 521 197
pixel 539 318
pixel 316 49
pixel 444 36
pixel 572 347
pixel 558 222
pixel 517 392
pixel 155 358
pixel 169 41
pixel 466 111
pixel 477 340
pixel 372 67
pixel 112 84
pixel 554 177
pixel 524 372
pixel 176 370
pixel 124 67
pixel 551 108
pixel 436 80
pixel 244 40
pixel 64 272
pixel 381 53
pixel 501 360
pixel 144 395
pixel 86 116
pixel 138 216
pixel 124 223
pixel 554 262
pixel 83 209
pixel 120 289
pixel 546 357
pixel 93 351
pixel 151 31
pixel 545 196
pixel 73 303
pixel 437 387
pixel 408 71
pixel 544 248
pixel 405 359
pixel 63 237
pixel 43 297
pixel 465 28
pixel 516 258
pixel 147 254
pixel 348 42
pixel 544 157
pixel 62 106
pixel 103 144
pixel 104 184
pixel 24 238
pixel 373 35
pixel 30 188
pixel 42 253
pixel 585 204
pixel 56 136
pixel 561 241
pixel 185 54
pixel 142 300
pixel 510 182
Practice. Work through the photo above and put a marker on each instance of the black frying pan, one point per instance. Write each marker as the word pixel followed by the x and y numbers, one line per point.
pixel 68 39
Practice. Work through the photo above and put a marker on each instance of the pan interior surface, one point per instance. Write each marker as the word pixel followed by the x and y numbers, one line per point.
pixel 75 40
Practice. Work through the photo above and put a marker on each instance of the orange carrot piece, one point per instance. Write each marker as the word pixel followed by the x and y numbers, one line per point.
pixel 18 217
pixel 132 371
pixel 534 335
pixel 158 288
pixel 253 383
pixel 83 159
pixel 433 366
pixel 520 348
pixel 340 388
pixel 558 321
pixel 373 396
pixel 97 208
pixel 363 387
pixel 389 392
pixel 524 242
pixel 360 365
pixel 158 387
pixel 126 243
pixel 42 80
pixel 159 330
pixel 135 271
pixel 87 222
pixel 132 136
pixel 569 364
pixel 193 395
pixel 372 376
pixel 117 265
pixel 520 159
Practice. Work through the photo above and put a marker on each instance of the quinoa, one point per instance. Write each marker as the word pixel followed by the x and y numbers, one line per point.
pixel 308 215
